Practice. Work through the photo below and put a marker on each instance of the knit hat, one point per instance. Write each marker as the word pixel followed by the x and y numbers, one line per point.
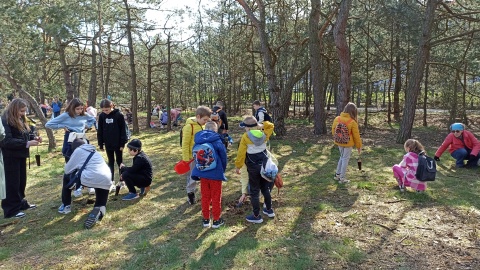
pixel 135 144
pixel 76 143
pixel 456 126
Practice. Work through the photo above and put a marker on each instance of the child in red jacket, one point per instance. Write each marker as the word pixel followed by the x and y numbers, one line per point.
pixel 462 146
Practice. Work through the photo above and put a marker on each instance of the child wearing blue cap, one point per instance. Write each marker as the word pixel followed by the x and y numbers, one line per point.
pixel 462 145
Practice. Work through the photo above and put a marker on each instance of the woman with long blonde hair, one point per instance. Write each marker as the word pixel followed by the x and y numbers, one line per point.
pixel 15 149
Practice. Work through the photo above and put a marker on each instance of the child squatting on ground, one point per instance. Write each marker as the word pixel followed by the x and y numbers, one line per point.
pixel 346 135
pixel 462 146
pixel 140 174
pixel 192 126
pixel 405 171
pixel 210 178
pixel 252 152
pixel 96 174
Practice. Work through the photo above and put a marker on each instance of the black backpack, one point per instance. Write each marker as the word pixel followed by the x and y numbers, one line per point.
pixel 426 169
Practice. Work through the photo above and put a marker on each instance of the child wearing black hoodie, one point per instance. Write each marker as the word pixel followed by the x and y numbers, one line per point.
pixel 111 134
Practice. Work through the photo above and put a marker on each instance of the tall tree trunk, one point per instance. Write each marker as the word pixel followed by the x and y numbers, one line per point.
pixel 315 48
pixel 109 67
pixel 425 97
pixel 416 74
pixel 66 69
pixel 343 52
pixel 368 94
pixel 269 63
pixel 133 83
pixel 398 88
pixel 92 90
pixel 169 79
pixel 100 52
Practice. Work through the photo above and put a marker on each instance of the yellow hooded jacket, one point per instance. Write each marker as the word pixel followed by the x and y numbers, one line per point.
pixel 188 135
pixel 352 130
pixel 247 146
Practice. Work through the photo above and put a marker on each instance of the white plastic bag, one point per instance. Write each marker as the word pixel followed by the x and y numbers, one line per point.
pixel 270 169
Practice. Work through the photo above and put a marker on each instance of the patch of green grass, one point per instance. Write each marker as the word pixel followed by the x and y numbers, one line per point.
pixel 319 223
pixel 4 253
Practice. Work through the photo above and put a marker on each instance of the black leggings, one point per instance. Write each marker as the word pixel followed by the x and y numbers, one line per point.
pixel 101 195
pixel 113 155
pixel 132 180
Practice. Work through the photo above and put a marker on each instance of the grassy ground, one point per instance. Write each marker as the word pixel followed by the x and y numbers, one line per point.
pixel 319 224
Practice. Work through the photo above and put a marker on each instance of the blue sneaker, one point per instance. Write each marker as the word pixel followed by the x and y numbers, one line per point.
pixel 130 196
pixel 64 209
pixel 254 219
pixel 269 213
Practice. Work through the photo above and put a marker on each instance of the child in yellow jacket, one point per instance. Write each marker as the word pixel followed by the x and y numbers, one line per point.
pixel 192 126
pixel 253 153
pixel 346 135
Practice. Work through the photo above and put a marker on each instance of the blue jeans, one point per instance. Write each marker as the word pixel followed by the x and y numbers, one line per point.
pixel 464 154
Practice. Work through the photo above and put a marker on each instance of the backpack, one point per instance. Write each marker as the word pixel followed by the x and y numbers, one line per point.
pixel 204 157
pixel 342 134
pixel 426 169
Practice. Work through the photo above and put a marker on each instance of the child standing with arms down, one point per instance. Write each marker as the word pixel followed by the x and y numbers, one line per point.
pixel 405 171
pixel 140 174
pixel 211 180
pixel 111 134
pixel 346 135
pixel 192 126
pixel 252 152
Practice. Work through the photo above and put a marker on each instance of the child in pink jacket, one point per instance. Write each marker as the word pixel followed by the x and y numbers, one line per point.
pixel 405 171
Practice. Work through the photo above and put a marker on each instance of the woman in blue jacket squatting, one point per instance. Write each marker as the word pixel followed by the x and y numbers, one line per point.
pixel 211 180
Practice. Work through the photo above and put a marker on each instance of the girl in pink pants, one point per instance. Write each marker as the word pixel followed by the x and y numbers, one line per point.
pixel 405 171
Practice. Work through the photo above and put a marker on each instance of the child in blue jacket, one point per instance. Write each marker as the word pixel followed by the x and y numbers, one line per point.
pixel 211 180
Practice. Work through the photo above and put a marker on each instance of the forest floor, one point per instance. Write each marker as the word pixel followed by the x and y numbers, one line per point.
pixel 319 223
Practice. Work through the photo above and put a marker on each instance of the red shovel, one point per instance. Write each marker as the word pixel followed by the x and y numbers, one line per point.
pixel 182 167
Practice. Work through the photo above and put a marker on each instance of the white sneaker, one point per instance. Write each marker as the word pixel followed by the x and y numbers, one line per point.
pixel 91 191
pixel 78 192
pixel 343 181
pixel 112 187
pixel 336 177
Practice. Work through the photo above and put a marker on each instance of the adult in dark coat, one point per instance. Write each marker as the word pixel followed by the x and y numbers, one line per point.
pixel 15 149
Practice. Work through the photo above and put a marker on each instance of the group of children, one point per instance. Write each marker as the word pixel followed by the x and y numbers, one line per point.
pixel 81 158
pixel 205 128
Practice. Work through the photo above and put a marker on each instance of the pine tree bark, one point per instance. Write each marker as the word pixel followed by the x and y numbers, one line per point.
pixel 133 82
pixel 416 74
pixel 269 64
pixel 343 51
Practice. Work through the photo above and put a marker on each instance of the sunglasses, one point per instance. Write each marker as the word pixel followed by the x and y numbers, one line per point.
pixel 456 131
